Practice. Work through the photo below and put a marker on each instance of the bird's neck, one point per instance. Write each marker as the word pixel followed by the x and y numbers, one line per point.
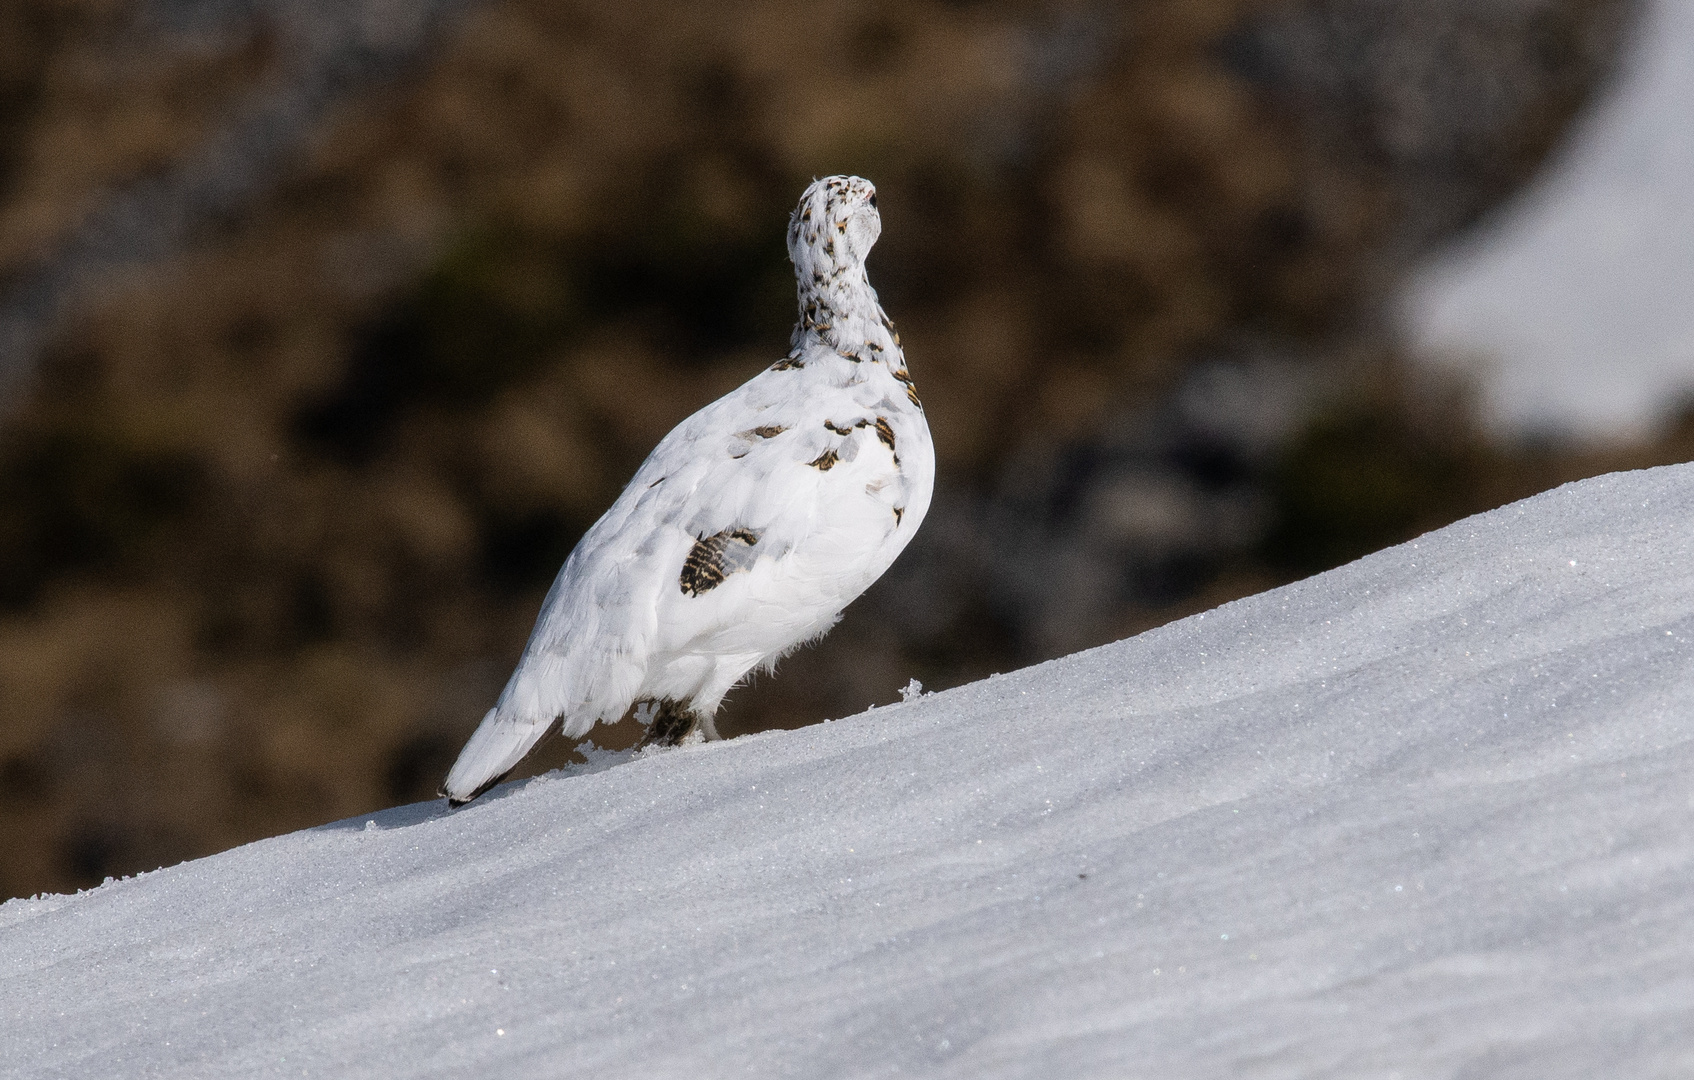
pixel 840 309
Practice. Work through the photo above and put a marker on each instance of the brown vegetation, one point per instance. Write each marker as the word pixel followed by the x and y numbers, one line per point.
pixel 278 511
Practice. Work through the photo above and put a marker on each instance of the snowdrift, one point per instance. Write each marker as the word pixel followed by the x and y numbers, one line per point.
pixel 1427 815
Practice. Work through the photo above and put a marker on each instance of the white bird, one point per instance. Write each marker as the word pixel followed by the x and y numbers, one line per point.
pixel 746 531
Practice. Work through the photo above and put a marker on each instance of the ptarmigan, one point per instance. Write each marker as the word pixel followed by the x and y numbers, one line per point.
pixel 746 531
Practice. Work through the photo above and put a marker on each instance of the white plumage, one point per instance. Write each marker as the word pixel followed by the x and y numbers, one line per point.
pixel 746 531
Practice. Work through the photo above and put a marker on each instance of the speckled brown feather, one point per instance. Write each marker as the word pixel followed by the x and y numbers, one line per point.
pixel 715 557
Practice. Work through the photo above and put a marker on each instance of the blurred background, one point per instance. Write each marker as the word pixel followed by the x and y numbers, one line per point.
pixel 327 326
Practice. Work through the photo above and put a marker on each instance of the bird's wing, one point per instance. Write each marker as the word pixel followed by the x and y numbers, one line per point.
pixel 789 518
pixel 745 532
pixel 586 655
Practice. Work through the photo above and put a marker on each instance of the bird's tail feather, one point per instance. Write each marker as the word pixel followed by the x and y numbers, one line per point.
pixel 495 749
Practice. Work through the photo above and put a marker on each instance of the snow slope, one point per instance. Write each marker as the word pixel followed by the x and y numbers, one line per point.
pixel 1428 815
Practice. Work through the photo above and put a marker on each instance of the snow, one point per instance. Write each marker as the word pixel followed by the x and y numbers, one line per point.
pixel 1427 815
pixel 1573 308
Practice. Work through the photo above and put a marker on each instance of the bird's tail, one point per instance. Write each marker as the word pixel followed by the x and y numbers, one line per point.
pixel 499 743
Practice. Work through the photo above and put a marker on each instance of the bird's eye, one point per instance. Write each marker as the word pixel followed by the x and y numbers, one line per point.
pixel 873 200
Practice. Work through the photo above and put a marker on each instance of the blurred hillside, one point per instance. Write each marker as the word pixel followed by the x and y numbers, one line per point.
pixel 329 335
pixel 1569 307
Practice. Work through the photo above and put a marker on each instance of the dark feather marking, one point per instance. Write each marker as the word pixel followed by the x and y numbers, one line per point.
pixel 765 431
pixel 657 482
pixel 885 432
pixel 824 461
pixel 788 363
pixel 911 387
pixel 899 513
pixel 454 804
pixel 715 557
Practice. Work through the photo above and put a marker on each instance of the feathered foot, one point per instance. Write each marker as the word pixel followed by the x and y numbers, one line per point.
pixel 668 723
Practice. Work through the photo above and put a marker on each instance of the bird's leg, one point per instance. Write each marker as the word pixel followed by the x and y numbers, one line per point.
pixel 670 724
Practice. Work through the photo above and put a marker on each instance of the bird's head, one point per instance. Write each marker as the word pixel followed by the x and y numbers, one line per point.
pixel 835 226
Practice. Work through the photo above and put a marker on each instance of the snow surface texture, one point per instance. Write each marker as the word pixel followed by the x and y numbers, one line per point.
pixel 1427 815
pixel 1574 306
